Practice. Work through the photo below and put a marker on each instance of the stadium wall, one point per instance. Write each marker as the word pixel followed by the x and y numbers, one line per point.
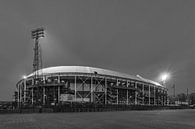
pixel 94 87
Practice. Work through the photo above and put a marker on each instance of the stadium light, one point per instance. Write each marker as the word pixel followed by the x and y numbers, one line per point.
pixel 38 33
pixel 164 77
pixel 24 76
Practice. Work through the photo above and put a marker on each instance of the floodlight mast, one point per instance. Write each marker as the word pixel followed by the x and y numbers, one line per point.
pixel 37 61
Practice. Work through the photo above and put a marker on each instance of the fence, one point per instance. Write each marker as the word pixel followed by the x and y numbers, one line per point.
pixel 75 107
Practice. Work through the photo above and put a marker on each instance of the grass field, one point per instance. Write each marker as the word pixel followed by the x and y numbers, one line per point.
pixel 158 119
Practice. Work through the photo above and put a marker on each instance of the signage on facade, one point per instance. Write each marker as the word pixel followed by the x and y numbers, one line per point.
pixel 66 97
pixel 83 100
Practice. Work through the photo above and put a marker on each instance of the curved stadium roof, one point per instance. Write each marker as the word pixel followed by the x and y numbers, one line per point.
pixel 91 70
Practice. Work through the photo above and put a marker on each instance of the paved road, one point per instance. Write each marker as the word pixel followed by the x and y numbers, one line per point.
pixel 159 119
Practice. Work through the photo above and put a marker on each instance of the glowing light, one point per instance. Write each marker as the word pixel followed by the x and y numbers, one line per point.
pixel 165 76
pixel 24 76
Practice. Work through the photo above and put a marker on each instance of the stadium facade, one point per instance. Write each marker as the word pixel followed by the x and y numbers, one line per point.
pixel 80 84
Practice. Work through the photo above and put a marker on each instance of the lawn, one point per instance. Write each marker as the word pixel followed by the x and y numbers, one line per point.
pixel 158 119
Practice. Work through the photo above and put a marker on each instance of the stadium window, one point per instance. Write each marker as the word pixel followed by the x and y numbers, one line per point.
pixel 132 83
pixel 62 79
pixel 28 82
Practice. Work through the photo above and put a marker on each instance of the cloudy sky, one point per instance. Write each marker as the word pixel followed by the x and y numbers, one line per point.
pixel 144 37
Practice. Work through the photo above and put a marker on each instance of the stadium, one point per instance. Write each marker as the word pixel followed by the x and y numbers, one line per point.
pixel 81 84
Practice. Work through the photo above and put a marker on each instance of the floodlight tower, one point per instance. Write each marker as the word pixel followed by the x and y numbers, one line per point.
pixel 37 62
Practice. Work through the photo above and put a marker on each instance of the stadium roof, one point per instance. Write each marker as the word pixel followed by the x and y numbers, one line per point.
pixel 91 70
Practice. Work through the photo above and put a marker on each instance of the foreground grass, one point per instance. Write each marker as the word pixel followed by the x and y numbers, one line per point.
pixel 158 119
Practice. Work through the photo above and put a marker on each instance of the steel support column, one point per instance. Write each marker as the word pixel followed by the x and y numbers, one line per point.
pixel 58 94
pixel 117 96
pixel 162 96
pixel 19 96
pixel 127 93
pixel 91 89
pixel 166 97
pixel 105 90
pixel 58 78
pixel 25 90
pixel 154 96
pixel 143 97
pixel 149 95
pixel 44 79
pixel 32 99
pixel 75 88
pixel 43 95
pixel 135 93
pixel 117 93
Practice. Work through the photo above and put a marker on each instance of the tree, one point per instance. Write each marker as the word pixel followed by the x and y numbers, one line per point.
pixel 182 97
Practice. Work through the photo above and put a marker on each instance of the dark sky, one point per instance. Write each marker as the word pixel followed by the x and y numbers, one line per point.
pixel 145 37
